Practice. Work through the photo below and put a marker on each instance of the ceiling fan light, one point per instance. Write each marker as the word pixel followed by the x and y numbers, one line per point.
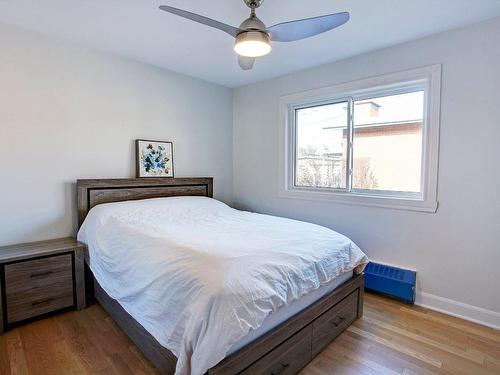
pixel 252 44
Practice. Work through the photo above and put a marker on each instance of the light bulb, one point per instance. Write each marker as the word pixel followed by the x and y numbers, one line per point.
pixel 252 44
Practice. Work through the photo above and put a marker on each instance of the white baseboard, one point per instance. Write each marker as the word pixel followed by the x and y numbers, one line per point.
pixel 459 309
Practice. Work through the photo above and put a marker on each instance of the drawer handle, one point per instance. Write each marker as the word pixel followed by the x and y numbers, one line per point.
pixel 337 321
pixel 284 366
pixel 42 301
pixel 40 274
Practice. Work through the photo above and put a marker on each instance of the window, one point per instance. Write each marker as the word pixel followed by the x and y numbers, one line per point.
pixel 370 142
pixel 387 143
pixel 321 151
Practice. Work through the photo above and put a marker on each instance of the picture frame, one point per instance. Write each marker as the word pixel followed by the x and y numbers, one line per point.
pixel 154 158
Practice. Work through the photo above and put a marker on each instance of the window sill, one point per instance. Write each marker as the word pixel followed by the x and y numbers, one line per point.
pixel 352 198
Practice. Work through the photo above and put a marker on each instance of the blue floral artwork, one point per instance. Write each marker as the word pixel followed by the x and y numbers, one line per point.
pixel 154 159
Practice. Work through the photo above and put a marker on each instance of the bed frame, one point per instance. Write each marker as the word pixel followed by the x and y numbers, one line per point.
pixel 285 350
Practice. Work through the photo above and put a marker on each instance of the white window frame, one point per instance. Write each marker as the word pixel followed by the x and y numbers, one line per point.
pixel 427 79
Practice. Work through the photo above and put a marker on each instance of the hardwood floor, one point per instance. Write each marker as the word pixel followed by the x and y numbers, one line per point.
pixel 391 338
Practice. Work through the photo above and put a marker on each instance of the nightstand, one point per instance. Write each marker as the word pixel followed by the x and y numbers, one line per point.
pixel 40 278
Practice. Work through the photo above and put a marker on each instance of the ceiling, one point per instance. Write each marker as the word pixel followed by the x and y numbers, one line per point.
pixel 138 30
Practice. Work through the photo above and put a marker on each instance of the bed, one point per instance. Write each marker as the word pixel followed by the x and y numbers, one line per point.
pixel 274 333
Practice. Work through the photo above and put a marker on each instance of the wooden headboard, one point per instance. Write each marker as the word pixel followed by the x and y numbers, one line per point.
pixel 90 193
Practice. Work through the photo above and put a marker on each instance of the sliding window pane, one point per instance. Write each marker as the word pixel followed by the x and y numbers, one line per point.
pixel 387 146
pixel 321 146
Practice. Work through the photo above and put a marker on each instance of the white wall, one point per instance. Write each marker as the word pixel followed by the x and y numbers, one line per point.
pixel 456 250
pixel 68 113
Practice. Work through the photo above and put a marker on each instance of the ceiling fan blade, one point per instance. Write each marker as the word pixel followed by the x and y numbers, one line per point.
pixel 231 30
pixel 246 63
pixel 301 29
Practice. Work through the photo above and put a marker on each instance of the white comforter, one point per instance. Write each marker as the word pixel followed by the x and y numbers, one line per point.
pixel 199 275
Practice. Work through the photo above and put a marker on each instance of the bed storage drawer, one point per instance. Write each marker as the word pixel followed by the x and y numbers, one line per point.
pixel 333 322
pixel 287 358
pixel 35 287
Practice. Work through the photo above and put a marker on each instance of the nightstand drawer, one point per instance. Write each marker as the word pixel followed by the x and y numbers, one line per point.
pixel 35 287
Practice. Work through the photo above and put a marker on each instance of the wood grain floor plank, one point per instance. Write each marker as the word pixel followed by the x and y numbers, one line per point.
pixel 16 356
pixel 70 363
pixel 474 356
pixel 390 359
pixel 79 340
pixel 38 347
pixel 450 361
pixel 354 346
pixel 394 357
pixel 4 356
pixel 432 330
pixel 362 359
pixel 392 338
pixel 453 322
pixel 400 348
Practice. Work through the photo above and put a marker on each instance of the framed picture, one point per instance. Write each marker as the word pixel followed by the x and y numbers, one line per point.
pixel 154 158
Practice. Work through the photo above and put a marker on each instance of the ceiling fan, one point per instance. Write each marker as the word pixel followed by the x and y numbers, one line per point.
pixel 253 38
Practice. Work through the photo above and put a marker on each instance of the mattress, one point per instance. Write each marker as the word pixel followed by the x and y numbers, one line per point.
pixel 203 278
pixel 286 312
